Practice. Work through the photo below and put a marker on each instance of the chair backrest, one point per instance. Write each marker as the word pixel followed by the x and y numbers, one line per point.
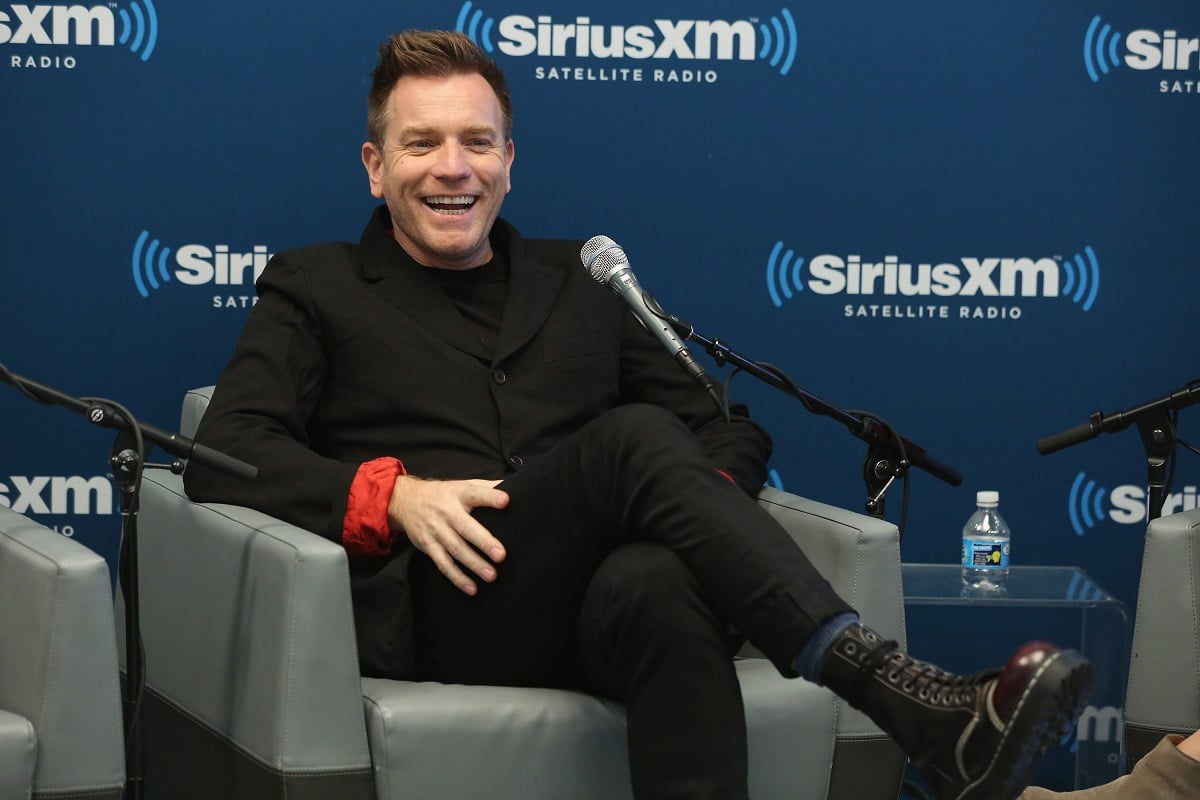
pixel 58 659
pixel 195 403
pixel 1164 674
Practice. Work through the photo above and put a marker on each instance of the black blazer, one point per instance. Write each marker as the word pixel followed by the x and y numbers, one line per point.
pixel 354 352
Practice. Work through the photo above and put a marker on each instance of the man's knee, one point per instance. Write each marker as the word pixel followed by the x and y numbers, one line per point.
pixel 640 419
pixel 646 584
pixel 644 435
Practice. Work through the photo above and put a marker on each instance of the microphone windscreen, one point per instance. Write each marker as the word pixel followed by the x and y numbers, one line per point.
pixel 600 256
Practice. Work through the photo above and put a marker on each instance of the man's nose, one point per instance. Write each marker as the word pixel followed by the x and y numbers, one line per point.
pixel 452 161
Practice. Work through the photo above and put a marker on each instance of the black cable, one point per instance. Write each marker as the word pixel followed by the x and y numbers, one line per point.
pixel 893 435
pixel 719 392
pixel 1173 419
pixel 12 379
pixel 137 693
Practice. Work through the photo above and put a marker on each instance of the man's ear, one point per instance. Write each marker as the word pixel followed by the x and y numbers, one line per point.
pixel 372 160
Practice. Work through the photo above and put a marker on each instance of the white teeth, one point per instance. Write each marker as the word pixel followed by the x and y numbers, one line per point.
pixel 451 204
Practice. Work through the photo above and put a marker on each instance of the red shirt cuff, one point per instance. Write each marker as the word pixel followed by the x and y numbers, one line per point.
pixel 365 528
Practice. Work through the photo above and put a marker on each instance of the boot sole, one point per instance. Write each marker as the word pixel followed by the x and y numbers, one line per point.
pixel 1052 703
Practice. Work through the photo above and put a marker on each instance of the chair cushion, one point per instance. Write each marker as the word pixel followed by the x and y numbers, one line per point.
pixel 553 743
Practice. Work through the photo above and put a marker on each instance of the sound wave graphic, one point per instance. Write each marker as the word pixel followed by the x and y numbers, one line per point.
pixel 1100 49
pixel 147 260
pixel 480 35
pixel 783 41
pixel 783 274
pixel 774 480
pixel 1082 588
pixel 1085 504
pixel 143 28
pixel 1083 278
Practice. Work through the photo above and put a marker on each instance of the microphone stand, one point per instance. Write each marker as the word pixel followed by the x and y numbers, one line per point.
pixel 126 461
pixel 1157 430
pixel 889 455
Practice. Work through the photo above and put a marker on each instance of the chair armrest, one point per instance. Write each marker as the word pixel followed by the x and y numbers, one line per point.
pixel 248 630
pixel 58 659
pixel 860 557
pixel 18 755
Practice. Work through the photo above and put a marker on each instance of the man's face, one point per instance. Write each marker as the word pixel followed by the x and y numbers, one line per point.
pixel 443 168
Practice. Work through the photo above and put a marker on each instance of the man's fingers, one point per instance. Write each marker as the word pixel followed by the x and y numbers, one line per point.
pixel 462 552
pixel 481 494
pixel 483 542
pixel 486 494
pixel 447 566
pixel 436 516
pixel 454 554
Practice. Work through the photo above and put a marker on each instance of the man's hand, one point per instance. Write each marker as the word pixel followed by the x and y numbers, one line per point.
pixel 436 517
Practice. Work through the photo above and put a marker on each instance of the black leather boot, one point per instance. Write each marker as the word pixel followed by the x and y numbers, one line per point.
pixel 974 737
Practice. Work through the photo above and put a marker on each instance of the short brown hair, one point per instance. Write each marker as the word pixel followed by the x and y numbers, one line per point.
pixel 430 54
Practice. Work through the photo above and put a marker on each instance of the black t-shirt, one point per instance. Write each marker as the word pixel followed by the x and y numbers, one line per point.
pixel 479 294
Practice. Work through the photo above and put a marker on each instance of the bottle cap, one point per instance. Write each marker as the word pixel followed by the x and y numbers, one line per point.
pixel 987 498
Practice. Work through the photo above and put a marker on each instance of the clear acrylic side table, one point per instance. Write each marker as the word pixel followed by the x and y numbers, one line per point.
pixel 965 631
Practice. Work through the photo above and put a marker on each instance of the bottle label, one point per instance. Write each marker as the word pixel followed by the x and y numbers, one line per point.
pixel 984 555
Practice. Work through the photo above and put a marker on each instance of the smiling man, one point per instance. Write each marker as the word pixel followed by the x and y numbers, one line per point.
pixel 441 155
pixel 532 493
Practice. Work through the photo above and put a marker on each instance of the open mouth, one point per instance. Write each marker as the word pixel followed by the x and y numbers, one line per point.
pixel 451 204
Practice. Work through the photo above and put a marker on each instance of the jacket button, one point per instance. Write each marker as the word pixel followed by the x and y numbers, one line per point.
pixel 516 462
pixel 499 376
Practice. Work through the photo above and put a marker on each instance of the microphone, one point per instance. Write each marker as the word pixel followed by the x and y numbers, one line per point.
pixel 607 263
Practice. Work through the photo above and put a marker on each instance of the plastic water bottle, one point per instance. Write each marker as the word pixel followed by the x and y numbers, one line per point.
pixel 985 544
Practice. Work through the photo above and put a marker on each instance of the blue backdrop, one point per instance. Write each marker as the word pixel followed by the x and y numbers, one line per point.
pixel 975 220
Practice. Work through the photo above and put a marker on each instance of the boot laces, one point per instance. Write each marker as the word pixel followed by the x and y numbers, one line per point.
pixel 932 683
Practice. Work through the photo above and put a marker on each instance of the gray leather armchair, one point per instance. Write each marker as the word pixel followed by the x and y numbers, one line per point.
pixel 254 692
pixel 60 704
pixel 1163 695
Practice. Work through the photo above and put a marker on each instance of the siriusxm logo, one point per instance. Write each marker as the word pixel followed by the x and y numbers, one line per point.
pixel 1076 278
pixel 77 25
pixel 1106 49
pixel 687 40
pixel 44 494
pixel 193 265
pixel 1089 503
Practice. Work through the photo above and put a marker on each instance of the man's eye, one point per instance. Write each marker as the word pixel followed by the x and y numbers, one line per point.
pixel 480 144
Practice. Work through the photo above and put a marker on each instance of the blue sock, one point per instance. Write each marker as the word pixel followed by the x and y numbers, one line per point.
pixel 812 657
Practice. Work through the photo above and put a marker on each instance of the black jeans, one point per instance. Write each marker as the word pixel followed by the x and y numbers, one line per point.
pixel 630 564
